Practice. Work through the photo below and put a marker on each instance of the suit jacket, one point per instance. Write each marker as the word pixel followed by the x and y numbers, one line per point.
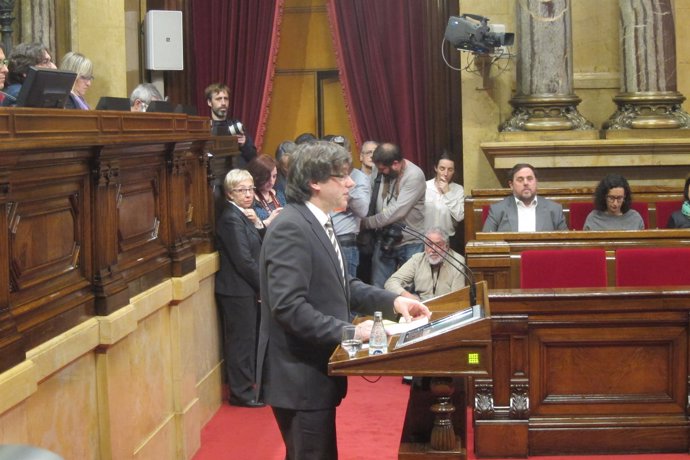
pixel 304 307
pixel 503 216
pixel 239 247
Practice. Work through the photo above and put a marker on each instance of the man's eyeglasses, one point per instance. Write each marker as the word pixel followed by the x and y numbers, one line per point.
pixel 613 199
pixel 243 191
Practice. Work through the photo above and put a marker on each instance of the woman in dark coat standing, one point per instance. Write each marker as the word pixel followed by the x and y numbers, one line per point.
pixel 238 233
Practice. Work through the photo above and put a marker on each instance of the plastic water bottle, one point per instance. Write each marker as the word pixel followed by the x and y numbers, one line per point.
pixel 378 340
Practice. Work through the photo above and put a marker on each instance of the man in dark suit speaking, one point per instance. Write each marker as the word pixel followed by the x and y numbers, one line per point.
pixel 306 297
pixel 522 211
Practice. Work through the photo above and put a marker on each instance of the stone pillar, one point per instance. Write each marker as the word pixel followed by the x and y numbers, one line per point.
pixel 38 23
pixel 544 100
pixel 648 96
pixel 6 19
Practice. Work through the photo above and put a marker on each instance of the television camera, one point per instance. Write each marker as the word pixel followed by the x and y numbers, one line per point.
pixel 471 32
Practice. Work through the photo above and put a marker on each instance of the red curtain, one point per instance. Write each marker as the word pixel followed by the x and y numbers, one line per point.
pixel 389 58
pixel 242 38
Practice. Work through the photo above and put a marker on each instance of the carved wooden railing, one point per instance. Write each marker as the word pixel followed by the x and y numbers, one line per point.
pixel 99 206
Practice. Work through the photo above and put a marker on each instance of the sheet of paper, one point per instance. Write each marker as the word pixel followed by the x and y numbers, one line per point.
pixel 398 328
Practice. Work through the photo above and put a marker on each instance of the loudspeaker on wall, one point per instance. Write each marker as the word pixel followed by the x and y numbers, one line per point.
pixel 163 35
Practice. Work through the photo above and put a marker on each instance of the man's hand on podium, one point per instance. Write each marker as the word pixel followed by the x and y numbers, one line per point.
pixel 363 330
pixel 410 309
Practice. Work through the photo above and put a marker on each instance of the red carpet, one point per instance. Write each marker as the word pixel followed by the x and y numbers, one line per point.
pixel 370 420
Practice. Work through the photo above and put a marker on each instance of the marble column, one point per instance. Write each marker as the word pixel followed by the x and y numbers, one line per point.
pixel 648 95
pixel 6 20
pixel 38 23
pixel 544 100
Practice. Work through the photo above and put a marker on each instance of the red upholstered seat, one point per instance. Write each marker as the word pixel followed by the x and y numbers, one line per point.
pixel 579 211
pixel 664 209
pixel 565 268
pixel 653 267
pixel 643 208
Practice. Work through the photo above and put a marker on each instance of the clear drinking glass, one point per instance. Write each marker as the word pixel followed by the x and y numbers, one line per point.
pixel 350 341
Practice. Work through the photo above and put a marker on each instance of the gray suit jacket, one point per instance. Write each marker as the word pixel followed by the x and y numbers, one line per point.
pixel 503 216
pixel 305 304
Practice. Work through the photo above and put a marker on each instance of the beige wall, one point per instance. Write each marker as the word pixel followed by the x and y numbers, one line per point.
pixel 98 32
pixel 596 79
pixel 138 384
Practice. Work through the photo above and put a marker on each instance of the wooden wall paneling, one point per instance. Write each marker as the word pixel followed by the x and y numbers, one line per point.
pixel 181 161
pixel 12 343
pixel 98 207
pixel 203 215
pixel 143 237
pixel 49 242
pixel 108 283
pixel 223 149
pixel 609 366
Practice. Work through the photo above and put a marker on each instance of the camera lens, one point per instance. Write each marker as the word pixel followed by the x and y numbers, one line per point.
pixel 236 128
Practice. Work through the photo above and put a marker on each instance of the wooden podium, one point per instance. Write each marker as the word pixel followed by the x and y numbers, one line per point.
pixel 435 419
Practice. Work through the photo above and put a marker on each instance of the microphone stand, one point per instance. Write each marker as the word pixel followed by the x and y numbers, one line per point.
pixel 466 272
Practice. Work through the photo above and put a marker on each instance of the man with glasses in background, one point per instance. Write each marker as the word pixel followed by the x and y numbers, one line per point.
pixel 141 97
pixel 23 56
pixel 523 211
pixel 366 157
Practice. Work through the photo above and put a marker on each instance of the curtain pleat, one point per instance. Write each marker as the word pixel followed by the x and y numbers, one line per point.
pixel 388 54
pixel 240 45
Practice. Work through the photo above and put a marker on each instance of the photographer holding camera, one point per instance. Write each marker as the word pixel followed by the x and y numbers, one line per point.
pixel 400 200
pixel 218 99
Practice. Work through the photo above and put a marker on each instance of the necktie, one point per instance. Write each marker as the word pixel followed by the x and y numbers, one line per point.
pixel 331 236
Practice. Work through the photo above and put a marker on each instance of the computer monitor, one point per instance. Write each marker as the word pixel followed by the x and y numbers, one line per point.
pixel 188 109
pixel 160 106
pixel 46 88
pixel 113 103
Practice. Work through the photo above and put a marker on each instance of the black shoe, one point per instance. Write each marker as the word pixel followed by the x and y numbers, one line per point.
pixel 251 403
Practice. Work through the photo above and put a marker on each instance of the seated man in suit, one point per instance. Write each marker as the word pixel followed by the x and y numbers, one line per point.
pixel 427 274
pixel 523 211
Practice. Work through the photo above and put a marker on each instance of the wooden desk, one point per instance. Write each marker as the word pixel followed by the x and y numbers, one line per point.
pixel 495 257
pixel 435 425
pixel 573 371
pixel 585 371
pixel 97 207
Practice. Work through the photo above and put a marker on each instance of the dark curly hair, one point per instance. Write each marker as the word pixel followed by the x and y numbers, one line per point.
pixel 23 56
pixel 606 184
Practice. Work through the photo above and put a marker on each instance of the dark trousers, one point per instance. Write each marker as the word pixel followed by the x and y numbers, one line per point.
pixel 240 319
pixel 308 434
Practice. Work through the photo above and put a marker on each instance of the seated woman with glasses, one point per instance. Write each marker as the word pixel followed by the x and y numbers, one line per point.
pixel 267 201
pixel 83 67
pixel 612 199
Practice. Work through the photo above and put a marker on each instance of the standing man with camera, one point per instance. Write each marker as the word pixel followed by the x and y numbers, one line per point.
pixel 218 99
pixel 399 201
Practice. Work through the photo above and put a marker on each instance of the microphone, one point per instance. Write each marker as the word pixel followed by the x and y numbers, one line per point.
pixel 466 272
